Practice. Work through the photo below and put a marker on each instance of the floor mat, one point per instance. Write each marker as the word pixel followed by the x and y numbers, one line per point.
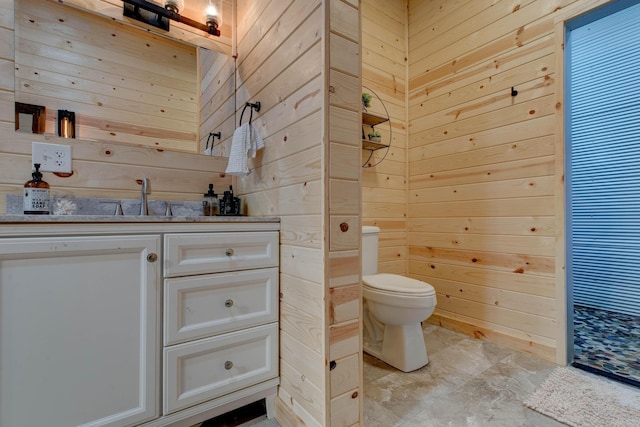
pixel 583 400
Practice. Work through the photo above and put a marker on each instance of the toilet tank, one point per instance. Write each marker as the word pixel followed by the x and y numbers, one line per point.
pixel 370 249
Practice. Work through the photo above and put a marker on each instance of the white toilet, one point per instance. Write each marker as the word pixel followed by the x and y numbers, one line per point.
pixel 393 308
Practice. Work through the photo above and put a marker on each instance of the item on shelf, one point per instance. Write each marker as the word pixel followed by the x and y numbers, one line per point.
pixel 375 136
pixel 372 140
pixel 366 100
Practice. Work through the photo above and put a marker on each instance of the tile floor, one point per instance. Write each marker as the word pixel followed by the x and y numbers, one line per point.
pixel 607 343
pixel 468 382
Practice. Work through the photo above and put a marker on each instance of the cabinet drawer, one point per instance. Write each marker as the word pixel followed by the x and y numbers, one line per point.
pixel 201 306
pixel 188 254
pixel 198 371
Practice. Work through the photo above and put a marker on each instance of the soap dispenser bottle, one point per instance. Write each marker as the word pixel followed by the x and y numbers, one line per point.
pixel 36 194
pixel 229 204
pixel 210 202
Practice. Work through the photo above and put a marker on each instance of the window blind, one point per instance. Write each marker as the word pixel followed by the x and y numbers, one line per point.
pixel 604 161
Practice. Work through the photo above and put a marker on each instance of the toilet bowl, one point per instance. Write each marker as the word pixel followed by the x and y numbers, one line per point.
pixel 393 308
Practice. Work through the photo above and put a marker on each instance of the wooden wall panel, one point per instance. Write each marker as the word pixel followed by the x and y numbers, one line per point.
pixel 384 187
pixel 281 64
pixel 344 375
pixel 7 67
pixel 344 205
pixel 345 268
pixel 345 303
pixel 483 177
pixel 345 409
pixel 304 393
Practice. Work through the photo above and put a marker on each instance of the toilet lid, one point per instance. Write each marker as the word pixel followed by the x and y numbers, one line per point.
pixel 398 284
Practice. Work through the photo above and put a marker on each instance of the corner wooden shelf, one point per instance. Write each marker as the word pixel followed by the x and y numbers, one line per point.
pixel 369 119
pixel 370 145
pixel 372 119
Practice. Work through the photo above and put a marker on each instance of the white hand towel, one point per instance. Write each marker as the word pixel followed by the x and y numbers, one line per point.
pixel 245 143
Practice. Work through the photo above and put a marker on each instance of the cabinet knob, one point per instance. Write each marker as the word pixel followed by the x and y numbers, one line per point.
pixel 228 303
pixel 228 252
pixel 228 365
pixel 344 227
pixel 152 257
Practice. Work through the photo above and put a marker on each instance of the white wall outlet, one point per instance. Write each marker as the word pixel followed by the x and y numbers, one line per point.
pixel 52 157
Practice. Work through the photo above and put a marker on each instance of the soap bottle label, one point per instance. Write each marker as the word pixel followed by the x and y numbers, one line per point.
pixel 36 200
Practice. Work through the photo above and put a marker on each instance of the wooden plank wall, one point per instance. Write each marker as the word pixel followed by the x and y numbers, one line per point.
pixel 344 207
pixel 280 64
pixel 384 187
pixel 301 60
pixel 99 169
pixel 482 214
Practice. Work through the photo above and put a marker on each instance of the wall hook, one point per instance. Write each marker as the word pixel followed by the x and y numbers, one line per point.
pixel 513 91
pixel 212 137
pixel 255 106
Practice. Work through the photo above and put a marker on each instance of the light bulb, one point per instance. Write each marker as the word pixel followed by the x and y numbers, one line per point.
pixel 213 14
pixel 174 5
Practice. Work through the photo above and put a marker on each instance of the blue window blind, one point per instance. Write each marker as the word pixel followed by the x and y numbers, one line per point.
pixel 604 161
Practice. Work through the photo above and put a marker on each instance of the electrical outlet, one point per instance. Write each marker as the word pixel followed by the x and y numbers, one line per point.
pixel 52 157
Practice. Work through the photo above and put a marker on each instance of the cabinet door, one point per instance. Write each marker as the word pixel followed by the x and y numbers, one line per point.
pixel 79 331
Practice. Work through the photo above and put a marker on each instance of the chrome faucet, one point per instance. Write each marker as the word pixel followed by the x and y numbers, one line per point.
pixel 146 189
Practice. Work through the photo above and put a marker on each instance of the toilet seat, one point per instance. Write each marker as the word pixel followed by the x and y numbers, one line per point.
pixel 398 285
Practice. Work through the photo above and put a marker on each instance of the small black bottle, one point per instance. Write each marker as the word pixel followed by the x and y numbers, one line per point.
pixel 229 204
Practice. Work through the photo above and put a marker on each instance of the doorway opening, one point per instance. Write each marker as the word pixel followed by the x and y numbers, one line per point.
pixel 603 189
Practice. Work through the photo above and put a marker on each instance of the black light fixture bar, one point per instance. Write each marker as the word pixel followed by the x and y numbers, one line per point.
pixel 153 14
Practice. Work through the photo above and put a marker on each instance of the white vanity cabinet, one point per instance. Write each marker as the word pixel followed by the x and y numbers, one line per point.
pixel 78 330
pixel 136 324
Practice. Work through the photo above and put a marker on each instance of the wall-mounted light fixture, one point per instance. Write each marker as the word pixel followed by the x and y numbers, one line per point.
pixel 153 14
pixel 66 124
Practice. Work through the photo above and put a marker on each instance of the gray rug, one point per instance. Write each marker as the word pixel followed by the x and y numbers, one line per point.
pixel 585 400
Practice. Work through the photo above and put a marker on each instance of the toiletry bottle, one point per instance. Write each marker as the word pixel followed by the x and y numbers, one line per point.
pixel 210 202
pixel 36 194
pixel 225 203
pixel 235 203
pixel 229 204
